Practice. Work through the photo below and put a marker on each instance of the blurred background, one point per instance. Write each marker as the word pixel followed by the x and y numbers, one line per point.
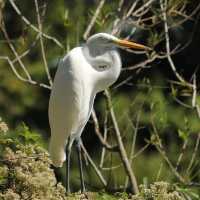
pixel 156 99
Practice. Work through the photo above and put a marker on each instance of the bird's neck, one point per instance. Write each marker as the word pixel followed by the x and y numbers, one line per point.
pixel 107 77
pixel 104 77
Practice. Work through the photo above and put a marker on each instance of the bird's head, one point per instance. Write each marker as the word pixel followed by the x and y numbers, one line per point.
pixel 107 40
pixel 101 54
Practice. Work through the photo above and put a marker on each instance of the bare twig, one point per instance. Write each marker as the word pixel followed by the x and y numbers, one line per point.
pixel 132 8
pixel 20 77
pixel 121 2
pixel 112 167
pixel 173 169
pixel 141 64
pixel 123 82
pixel 28 50
pixel 181 154
pixel 27 22
pixel 140 151
pixel 133 142
pixel 187 17
pixel 16 55
pixel 182 103
pixel 42 44
pixel 163 5
pixel 194 153
pixel 160 148
pixel 105 138
pixel 122 150
pixel 15 71
pixel 159 172
pixel 194 95
pixel 152 58
pixel 134 156
pixel 98 172
pixel 140 11
pixel 98 133
pixel 92 22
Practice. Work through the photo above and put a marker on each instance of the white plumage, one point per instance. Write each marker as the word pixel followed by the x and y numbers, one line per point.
pixel 82 73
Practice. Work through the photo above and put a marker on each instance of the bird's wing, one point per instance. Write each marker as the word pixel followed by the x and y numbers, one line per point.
pixel 64 108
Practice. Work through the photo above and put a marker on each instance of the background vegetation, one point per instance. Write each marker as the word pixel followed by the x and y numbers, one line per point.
pixel 153 108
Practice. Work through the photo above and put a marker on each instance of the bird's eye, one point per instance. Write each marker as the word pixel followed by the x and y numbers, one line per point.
pixel 102 66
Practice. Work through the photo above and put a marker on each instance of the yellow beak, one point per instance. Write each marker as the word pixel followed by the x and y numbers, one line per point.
pixel 133 45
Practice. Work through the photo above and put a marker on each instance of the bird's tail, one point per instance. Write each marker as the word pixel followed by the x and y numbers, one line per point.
pixel 57 152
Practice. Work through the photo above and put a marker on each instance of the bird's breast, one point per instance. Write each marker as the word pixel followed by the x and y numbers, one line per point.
pixel 70 101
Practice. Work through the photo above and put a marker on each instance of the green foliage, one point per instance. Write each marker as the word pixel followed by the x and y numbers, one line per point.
pixel 21 136
pixel 158 191
pixel 27 136
pixel 27 174
pixel 163 111
pixel 25 169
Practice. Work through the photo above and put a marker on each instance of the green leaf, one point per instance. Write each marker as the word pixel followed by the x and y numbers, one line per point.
pixel 183 135
pixel 27 135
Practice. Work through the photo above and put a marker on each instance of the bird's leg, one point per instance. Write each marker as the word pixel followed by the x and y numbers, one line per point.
pixel 78 148
pixel 68 154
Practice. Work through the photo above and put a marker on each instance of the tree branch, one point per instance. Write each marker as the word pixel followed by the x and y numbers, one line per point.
pixel 122 151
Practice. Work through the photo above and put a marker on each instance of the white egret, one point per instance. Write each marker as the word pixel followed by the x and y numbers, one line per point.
pixel 81 74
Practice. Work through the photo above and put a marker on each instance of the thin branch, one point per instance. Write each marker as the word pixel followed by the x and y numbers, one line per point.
pixel 122 151
pixel 123 82
pixel 92 22
pixel 98 133
pixel 42 44
pixel 141 64
pixel 140 151
pixel 121 2
pixel 20 77
pixel 142 9
pixel 163 5
pixel 182 103
pixel 173 169
pixel 16 54
pixel 98 172
pixel 188 17
pixel 181 154
pixel 153 57
pixel 112 167
pixel 194 153
pixel 131 9
pixel 194 87
pixel 27 22
pixel 159 172
pixel 28 50
pixel 15 71
pixel 133 142
pixel 134 156
pixel 160 148
pixel 103 152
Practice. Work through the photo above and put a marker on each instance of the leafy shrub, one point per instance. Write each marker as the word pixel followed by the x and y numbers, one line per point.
pixel 158 191
pixel 25 171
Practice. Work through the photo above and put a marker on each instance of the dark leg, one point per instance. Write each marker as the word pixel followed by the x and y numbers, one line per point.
pixel 57 173
pixel 78 147
pixel 68 154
